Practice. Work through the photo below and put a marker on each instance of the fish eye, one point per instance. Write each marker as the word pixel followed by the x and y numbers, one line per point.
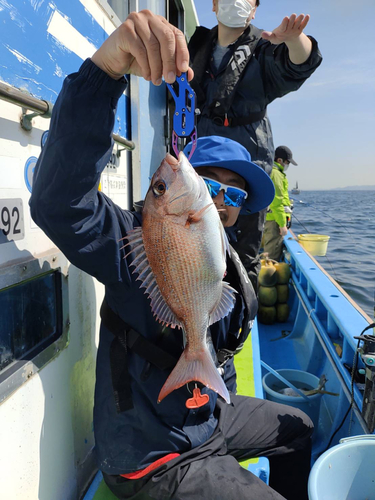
pixel 159 188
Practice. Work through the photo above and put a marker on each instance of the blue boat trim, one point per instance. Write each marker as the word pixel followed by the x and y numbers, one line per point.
pixel 328 346
pixel 261 469
pixel 257 371
pixel 331 313
pixel 90 494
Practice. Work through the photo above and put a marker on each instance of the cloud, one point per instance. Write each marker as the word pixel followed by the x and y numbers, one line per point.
pixel 344 73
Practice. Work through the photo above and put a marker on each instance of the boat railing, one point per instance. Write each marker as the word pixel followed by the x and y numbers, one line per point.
pixel 42 108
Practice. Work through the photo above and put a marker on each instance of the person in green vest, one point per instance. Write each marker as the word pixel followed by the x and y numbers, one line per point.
pixel 280 211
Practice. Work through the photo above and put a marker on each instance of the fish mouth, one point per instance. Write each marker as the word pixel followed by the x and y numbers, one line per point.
pixel 172 162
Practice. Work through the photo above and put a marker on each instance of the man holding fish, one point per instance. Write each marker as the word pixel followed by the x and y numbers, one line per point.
pixel 168 424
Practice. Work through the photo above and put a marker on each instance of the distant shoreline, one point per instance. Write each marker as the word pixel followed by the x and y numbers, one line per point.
pixel 355 188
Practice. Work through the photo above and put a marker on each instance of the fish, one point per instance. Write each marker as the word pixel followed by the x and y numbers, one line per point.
pixel 180 258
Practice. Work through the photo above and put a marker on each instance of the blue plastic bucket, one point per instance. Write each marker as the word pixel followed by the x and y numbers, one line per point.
pixel 302 380
pixel 345 472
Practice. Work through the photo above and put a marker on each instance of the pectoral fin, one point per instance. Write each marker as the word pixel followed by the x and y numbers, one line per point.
pixel 194 217
pixel 225 305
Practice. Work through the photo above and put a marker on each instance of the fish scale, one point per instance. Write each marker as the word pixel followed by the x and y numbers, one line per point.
pixel 181 269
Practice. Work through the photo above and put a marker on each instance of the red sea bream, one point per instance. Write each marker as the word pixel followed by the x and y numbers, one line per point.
pixel 180 258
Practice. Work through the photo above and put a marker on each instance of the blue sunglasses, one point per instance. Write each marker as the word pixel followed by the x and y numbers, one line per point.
pixel 233 196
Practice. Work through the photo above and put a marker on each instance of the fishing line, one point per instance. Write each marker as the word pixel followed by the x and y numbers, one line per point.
pixel 299 222
pixel 336 221
pixel 327 215
pixel 333 271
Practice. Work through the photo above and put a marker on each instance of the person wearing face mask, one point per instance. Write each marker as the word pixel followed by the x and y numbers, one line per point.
pixel 279 212
pixel 238 71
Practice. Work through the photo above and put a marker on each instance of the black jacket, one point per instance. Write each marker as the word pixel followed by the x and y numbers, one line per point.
pixel 269 74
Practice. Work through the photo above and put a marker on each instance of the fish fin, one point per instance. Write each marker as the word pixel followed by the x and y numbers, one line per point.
pixel 133 237
pixel 142 266
pixel 225 305
pixel 194 217
pixel 210 346
pixel 199 368
pixel 161 309
pixel 224 241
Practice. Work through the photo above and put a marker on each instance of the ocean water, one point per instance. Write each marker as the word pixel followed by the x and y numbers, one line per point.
pixel 348 217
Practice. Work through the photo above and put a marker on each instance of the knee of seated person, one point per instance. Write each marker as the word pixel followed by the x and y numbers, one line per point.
pixel 301 422
pixel 306 420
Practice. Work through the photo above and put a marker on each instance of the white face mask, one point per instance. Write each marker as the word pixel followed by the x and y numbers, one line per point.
pixel 285 167
pixel 234 13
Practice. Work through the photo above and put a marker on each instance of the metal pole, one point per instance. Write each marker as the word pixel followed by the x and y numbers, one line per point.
pixel 19 98
pixel 124 142
pixel 41 108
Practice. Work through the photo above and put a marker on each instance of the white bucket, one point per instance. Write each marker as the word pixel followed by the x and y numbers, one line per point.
pixel 345 472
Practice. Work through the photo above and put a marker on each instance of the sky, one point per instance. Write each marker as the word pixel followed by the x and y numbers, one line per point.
pixel 329 123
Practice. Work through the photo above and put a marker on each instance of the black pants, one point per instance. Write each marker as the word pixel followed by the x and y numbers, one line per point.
pixel 248 427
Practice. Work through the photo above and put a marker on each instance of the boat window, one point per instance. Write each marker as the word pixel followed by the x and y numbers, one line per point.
pixel 120 8
pixel 176 14
pixel 33 318
pixel 30 318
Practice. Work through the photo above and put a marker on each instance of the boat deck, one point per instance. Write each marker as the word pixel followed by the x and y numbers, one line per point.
pixel 285 346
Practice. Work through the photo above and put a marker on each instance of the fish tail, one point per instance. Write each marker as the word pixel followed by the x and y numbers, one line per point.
pixel 198 367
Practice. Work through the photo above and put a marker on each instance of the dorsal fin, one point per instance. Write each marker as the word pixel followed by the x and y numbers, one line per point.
pixel 225 304
pixel 142 266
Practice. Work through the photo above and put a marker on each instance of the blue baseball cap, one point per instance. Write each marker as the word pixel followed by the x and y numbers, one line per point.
pixel 215 151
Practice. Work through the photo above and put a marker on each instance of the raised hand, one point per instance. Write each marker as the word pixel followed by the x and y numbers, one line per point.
pixel 290 29
pixel 145 45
